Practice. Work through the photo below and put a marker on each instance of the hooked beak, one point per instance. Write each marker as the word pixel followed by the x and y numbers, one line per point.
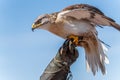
pixel 34 26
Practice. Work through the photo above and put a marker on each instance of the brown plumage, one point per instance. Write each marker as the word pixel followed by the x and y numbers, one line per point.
pixel 80 21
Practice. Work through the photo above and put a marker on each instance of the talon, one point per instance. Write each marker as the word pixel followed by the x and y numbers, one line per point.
pixel 75 39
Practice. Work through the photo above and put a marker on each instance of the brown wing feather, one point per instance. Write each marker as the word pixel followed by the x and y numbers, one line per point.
pixel 84 6
pixel 85 11
pixel 104 21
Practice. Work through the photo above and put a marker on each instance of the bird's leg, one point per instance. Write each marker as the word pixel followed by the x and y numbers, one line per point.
pixel 75 39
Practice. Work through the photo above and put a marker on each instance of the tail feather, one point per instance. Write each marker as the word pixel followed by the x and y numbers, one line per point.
pixel 95 56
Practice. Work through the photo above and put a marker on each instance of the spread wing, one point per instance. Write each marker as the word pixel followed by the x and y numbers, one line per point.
pixel 84 11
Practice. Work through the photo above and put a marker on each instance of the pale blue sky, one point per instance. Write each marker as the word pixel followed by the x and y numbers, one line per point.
pixel 25 54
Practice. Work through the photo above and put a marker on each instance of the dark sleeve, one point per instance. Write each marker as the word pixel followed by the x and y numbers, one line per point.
pixel 59 67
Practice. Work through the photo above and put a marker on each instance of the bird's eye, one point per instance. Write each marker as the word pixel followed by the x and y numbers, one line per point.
pixel 38 21
pixel 42 20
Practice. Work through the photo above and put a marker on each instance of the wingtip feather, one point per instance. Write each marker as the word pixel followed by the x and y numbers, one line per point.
pixel 115 25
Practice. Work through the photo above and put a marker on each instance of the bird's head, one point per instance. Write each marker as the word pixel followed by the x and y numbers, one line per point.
pixel 42 22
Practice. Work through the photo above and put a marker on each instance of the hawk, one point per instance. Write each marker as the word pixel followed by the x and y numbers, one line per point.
pixel 79 22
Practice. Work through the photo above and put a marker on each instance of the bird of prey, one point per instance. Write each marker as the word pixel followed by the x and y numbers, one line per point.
pixel 79 22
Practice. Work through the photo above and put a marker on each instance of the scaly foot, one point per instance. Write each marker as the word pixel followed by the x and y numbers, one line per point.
pixel 75 39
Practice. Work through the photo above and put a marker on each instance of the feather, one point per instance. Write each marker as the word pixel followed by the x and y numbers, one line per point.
pixel 89 13
pixel 95 56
